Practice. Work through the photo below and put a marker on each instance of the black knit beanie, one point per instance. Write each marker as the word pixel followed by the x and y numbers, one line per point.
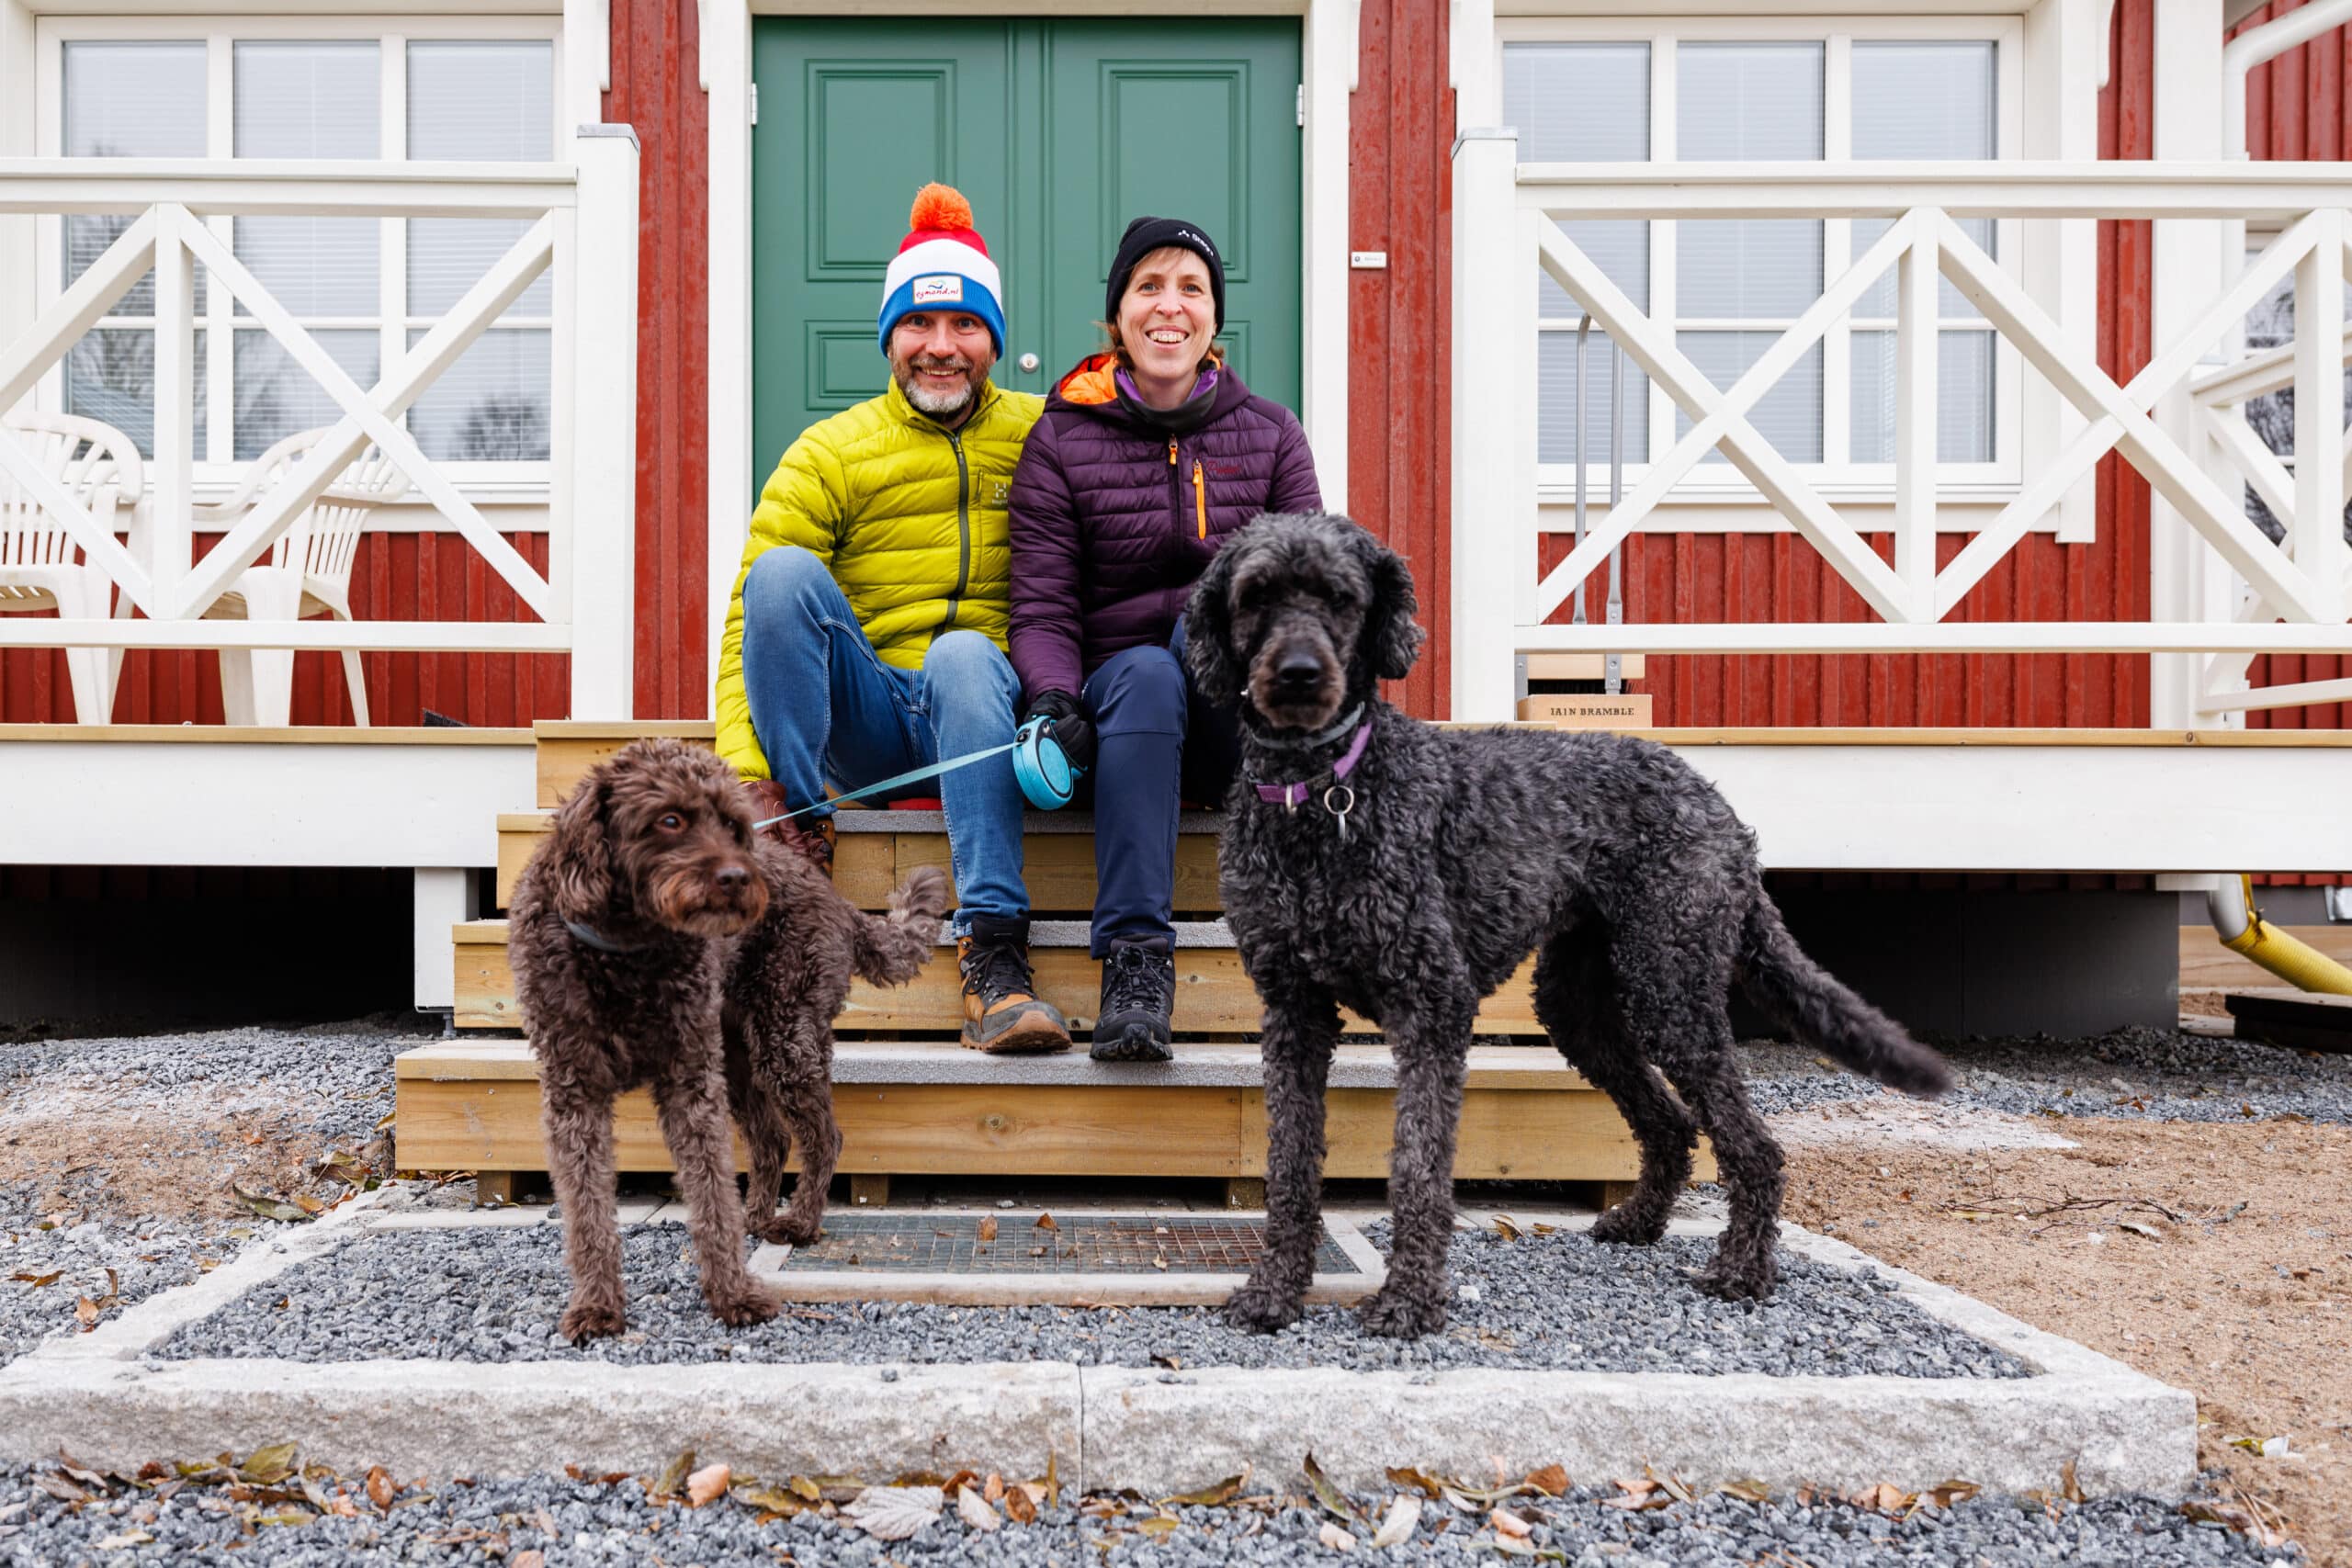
pixel 1146 236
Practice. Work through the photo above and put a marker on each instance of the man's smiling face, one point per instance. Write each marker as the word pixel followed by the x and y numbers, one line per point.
pixel 941 359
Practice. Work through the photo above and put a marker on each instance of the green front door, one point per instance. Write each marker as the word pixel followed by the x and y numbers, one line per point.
pixel 1059 132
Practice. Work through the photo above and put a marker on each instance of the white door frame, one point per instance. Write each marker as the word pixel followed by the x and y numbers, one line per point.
pixel 1328 57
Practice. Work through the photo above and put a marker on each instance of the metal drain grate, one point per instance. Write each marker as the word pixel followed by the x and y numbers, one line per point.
pixel 1162 1245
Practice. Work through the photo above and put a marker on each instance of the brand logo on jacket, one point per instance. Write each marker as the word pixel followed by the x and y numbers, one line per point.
pixel 946 289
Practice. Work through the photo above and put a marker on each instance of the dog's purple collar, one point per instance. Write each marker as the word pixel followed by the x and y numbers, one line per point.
pixel 589 936
pixel 1292 795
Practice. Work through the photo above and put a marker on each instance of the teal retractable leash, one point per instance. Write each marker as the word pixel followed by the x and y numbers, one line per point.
pixel 1040 765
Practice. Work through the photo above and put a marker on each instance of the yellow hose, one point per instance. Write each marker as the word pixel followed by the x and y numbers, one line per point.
pixel 2295 962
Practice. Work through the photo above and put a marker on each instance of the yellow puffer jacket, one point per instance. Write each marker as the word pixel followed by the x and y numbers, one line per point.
pixel 909 517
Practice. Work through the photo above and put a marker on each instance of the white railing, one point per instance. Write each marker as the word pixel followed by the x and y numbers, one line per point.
pixel 582 233
pixel 2177 421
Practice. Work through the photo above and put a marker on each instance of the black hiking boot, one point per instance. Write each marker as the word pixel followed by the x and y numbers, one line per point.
pixel 1139 993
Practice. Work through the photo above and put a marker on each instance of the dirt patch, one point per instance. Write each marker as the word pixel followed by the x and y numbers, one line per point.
pixel 1896 1119
pixel 2215 1256
pixel 84 1151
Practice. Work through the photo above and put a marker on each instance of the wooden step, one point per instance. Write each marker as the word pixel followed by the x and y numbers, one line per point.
pixel 875 851
pixel 923 1109
pixel 1213 995
pixel 569 748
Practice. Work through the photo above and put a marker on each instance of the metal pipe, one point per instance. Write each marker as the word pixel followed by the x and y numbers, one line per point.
pixel 1584 326
pixel 1612 667
pixel 2269 41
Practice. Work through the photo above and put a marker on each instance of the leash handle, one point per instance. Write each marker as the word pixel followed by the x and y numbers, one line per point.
pixel 912 776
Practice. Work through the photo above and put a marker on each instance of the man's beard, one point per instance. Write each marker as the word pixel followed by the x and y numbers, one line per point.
pixel 937 404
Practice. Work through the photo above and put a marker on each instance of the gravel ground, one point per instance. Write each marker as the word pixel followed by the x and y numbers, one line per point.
pixel 567 1522
pixel 2157 1075
pixel 1557 1301
pixel 47 1273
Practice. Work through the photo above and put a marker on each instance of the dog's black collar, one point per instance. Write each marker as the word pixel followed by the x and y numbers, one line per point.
pixel 589 936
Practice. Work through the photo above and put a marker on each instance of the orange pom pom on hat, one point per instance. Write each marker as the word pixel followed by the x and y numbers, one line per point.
pixel 942 265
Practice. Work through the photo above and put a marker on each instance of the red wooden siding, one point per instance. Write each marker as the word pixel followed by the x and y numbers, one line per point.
pixel 1400 201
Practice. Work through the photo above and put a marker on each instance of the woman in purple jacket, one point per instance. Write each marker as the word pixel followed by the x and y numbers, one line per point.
pixel 1146 457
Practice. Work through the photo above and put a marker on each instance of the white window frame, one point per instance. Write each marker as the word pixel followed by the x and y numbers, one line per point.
pixel 1975 488
pixel 216 470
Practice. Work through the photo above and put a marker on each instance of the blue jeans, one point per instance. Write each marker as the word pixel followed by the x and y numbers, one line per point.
pixel 1158 743
pixel 826 708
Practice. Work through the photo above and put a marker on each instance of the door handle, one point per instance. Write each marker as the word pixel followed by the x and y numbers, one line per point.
pixel 1029 363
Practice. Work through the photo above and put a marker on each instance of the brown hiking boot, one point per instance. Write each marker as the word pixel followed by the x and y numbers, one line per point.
pixel 811 836
pixel 1003 1015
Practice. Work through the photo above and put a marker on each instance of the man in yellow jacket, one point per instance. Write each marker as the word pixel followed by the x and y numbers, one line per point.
pixel 866 636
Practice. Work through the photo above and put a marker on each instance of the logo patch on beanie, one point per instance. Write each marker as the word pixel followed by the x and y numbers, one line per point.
pixel 942 289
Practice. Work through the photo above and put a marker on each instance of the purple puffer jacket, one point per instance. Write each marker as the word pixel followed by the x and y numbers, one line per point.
pixel 1114 520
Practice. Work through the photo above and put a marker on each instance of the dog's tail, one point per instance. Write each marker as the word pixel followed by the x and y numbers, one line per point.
pixel 889 949
pixel 1810 1001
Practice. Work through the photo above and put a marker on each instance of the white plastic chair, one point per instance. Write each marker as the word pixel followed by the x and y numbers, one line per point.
pixel 98 467
pixel 308 573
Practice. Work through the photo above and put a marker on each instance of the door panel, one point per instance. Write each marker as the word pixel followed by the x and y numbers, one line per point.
pixel 1059 132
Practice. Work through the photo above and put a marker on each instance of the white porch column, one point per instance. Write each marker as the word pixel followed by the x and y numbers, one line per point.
pixel 2065 41
pixel 19 301
pixel 1494 422
pixel 596 488
pixel 2185 580
pixel 443 896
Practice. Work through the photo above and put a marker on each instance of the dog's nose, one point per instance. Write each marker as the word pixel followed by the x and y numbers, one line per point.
pixel 1298 670
pixel 734 879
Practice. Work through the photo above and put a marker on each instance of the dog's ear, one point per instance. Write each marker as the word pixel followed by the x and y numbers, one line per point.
pixel 1391 640
pixel 581 872
pixel 1208 631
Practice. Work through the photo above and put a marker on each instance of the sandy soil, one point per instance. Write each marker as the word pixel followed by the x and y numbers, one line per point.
pixel 2216 1258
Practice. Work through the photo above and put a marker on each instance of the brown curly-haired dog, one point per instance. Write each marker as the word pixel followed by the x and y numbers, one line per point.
pixel 655 944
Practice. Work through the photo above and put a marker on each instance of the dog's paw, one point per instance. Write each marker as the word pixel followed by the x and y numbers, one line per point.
pixel 1625 1226
pixel 583 1321
pixel 1392 1314
pixel 1261 1309
pixel 789 1229
pixel 1736 1280
pixel 740 1309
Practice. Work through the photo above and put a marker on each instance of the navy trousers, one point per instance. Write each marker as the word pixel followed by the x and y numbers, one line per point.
pixel 1157 745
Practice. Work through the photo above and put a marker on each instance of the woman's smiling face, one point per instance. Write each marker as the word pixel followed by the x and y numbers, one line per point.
pixel 1168 317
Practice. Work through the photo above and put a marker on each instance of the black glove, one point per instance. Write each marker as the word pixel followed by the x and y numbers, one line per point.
pixel 1070 730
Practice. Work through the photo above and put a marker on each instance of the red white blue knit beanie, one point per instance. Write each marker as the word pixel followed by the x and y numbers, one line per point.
pixel 942 265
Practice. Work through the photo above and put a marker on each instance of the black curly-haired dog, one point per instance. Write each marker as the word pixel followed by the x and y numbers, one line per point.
pixel 1374 862
pixel 656 942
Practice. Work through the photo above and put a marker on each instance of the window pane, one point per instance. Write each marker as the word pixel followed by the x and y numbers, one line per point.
pixel 491 405
pixel 1622 247
pixel 1788 416
pixel 473 102
pixel 310 100
pixel 277 397
pixel 1964 396
pixel 111 377
pixel 130 100
pixel 1879 299
pixel 1743 102
pixel 1747 267
pixel 1923 100
pixel 1579 103
pixel 1555 440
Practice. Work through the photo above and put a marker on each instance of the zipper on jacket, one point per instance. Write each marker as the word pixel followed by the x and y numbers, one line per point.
pixel 963 524
pixel 1175 490
pixel 1200 498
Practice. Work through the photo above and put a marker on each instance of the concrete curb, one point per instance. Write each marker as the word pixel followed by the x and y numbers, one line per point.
pixel 103 1398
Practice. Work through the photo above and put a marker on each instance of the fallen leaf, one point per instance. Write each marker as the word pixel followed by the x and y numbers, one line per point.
pixel 530 1557
pixel 56 1486
pixel 1216 1496
pixel 987 1228
pixel 2140 1227
pixel 1403 1517
pixel 1552 1481
pixel 1160 1525
pixel 268 1205
pixel 1053 1486
pixel 895 1513
pixel 37 1281
pixel 2073 1487
pixel 709 1483
pixel 673 1474
pixel 1324 1493
pixel 974 1510
pixel 1336 1538
pixel 127 1537
pixel 380 1487
pixel 1048 1222
pixel 1508 1523
pixel 1405 1475
pixel 86 1311
pixel 267 1467
pixel 1746 1490
pixel 1020 1506
pixel 1507 1228
pixel 289 1515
